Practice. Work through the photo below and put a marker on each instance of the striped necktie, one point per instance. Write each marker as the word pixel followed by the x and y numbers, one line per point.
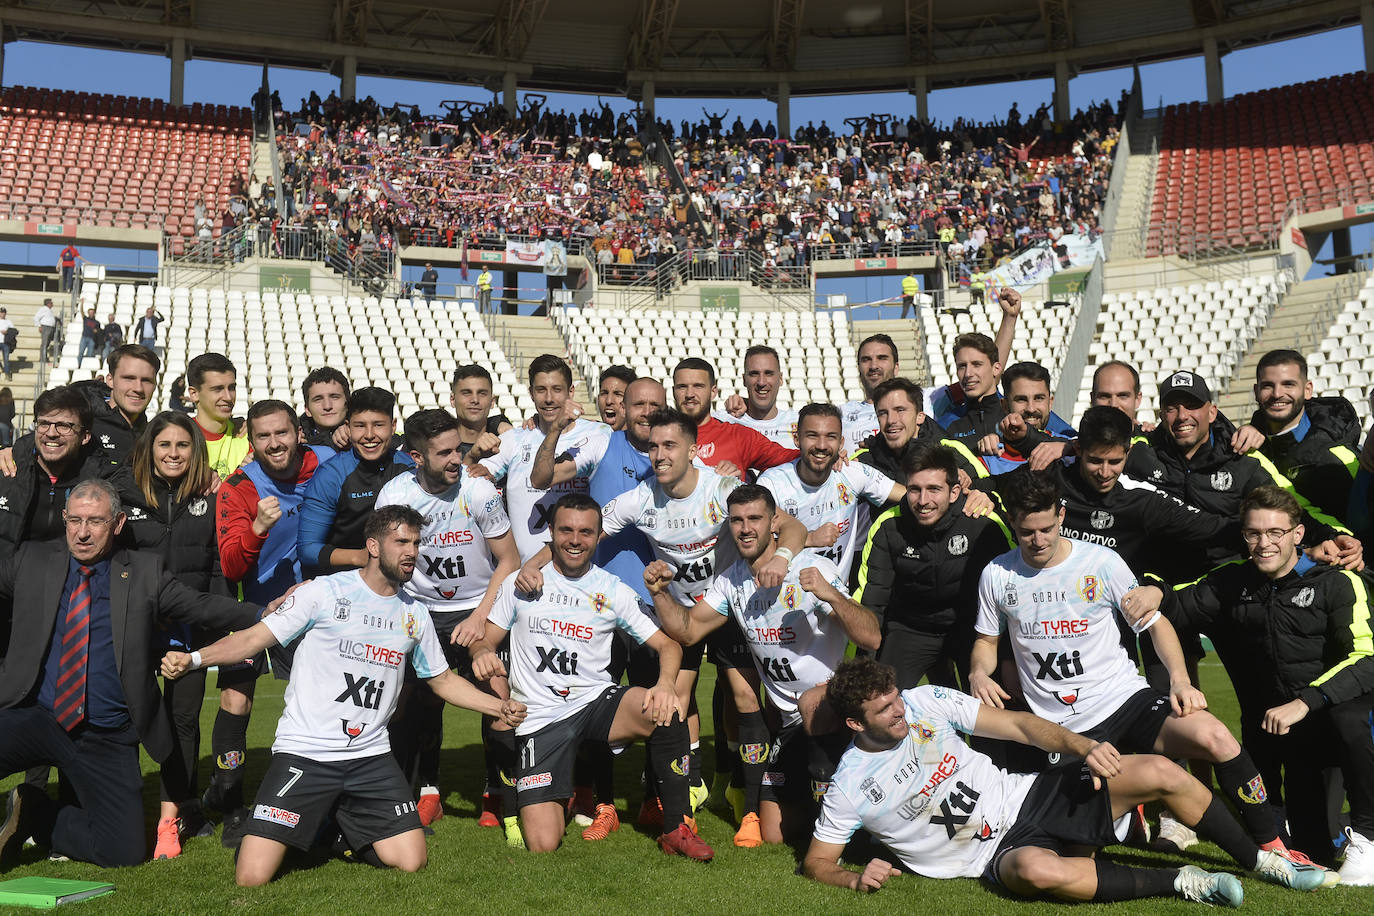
pixel 69 706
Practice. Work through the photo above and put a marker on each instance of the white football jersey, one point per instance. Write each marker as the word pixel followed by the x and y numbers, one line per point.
pixel 1064 636
pixel 837 500
pixel 941 806
pixel 584 442
pixel 859 422
pixel 347 673
pixel 455 566
pixel 560 640
pixel 782 429
pixel 690 534
pixel 795 638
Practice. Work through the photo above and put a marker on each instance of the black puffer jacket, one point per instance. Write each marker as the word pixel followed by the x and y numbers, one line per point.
pixel 182 533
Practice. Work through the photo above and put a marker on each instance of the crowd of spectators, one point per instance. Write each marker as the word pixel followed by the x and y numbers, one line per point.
pixel 359 179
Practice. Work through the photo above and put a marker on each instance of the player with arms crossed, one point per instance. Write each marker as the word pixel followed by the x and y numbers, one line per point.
pixel 1058 601
pixel 946 811
pixel 560 646
pixel 797 631
pixel 331 753
pixel 466 551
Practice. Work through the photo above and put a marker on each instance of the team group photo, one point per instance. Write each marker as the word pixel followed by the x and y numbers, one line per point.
pixel 623 508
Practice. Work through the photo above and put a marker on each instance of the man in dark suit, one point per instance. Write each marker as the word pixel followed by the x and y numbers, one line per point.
pixel 77 687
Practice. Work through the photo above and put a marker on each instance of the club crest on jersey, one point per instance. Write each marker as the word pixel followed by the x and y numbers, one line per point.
pixel 874 791
pixel 1087 588
pixel 598 602
pixel 713 513
pixel 789 597
pixel 648 521
pixel 412 626
pixel 843 493
pixel 790 507
pixel 922 731
pixel 230 760
pixel 1304 597
pixel 1100 519
pixel 1010 599
pixel 198 507
pixel 352 730
pixel 1221 480
pixel 958 545
pixel 341 608
pixel 1252 793
pixel 753 753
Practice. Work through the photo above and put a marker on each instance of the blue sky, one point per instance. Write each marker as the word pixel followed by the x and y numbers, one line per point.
pixel 122 73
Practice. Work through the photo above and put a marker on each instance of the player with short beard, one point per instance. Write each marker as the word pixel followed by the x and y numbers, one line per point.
pixel 466 551
pixel 358 630
pixel 560 646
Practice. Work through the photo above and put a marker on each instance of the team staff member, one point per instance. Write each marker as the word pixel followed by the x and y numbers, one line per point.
pixel 470 395
pixel 358 629
pixel 919 570
pixel 325 393
pixel 559 671
pixel 212 386
pixel 797 632
pixel 1312 441
pixel 1294 637
pixel 466 552
pixel 341 494
pixel 976 380
pixel 911 288
pixel 118 405
pixel 694 391
pixel 170 515
pixel 77 687
pixel 259 514
pixel 1031 432
pixel 1193 463
pixel 61 456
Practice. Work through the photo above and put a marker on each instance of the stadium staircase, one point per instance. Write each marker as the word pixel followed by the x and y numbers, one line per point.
pixel 523 337
pixel 1138 180
pixel 1299 322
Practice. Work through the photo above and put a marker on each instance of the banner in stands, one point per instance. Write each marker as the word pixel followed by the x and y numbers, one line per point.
pixel 528 254
pixel 555 259
pixel 285 279
pixel 1036 264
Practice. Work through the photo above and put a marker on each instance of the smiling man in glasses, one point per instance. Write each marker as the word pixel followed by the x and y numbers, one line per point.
pixel 61 457
pixel 1294 637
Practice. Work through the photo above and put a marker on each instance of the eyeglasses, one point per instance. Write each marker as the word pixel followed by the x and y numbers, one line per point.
pixel 1273 535
pixel 58 426
pixel 96 524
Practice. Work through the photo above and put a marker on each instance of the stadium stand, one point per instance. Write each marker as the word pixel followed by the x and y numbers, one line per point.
pixel 116 161
pixel 815 348
pixel 1227 172
pixel 1207 327
pixel 363 338
pixel 1344 361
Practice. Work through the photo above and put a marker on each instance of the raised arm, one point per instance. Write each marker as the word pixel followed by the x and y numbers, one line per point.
pixel 687 625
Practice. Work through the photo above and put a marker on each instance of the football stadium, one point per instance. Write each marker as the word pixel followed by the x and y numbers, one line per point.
pixel 865 458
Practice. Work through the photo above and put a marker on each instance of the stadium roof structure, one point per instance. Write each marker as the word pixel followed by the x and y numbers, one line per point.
pixel 698 48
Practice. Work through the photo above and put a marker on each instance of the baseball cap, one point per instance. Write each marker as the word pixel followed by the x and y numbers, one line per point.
pixel 1184 383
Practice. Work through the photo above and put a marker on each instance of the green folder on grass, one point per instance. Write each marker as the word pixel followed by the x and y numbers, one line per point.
pixel 46 893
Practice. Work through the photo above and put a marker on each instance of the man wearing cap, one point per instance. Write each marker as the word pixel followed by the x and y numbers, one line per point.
pixel 1188 459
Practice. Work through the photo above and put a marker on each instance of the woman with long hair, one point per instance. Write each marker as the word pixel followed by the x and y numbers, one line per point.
pixel 172 512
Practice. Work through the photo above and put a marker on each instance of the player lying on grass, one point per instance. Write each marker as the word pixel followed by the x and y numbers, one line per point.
pixel 332 756
pixel 946 811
